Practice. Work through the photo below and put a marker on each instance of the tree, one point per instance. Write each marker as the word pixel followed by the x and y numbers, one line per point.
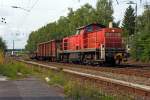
pixel 66 25
pixel 129 22
pixel 141 41
pixel 104 12
pixel 2 45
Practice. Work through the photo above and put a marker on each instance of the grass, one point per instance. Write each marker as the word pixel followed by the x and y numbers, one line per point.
pixel 74 89
pixel 57 78
pixel 1 57
pixel 15 70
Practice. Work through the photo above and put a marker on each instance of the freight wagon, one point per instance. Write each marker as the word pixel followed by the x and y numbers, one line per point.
pixel 92 44
pixel 48 50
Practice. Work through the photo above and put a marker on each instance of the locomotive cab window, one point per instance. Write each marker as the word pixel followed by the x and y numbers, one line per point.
pixel 89 29
pixel 96 28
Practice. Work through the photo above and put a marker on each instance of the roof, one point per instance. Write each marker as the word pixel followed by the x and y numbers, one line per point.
pixel 100 25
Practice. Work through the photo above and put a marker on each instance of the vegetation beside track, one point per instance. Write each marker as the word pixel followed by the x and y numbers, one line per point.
pixel 76 88
pixel 15 70
pixel 73 87
pixel 1 57
pixel 2 50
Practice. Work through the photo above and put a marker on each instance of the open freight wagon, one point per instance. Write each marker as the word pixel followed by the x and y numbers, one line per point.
pixel 48 50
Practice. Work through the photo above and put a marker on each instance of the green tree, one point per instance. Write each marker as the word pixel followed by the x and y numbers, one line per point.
pixel 66 26
pixel 129 22
pixel 2 45
pixel 141 41
pixel 104 11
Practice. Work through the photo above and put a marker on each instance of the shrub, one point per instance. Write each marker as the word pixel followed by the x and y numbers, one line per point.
pixel 57 78
pixel 13 69
pixel 1 57
pixel 78 91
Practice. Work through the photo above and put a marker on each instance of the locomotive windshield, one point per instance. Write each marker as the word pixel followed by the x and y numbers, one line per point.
pixel 89 29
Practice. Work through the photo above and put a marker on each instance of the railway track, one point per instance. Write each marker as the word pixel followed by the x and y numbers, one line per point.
pixel 111 83
pixel 126 69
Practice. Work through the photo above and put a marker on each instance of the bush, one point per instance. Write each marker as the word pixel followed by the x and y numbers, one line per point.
pixel 57 78
pixel 13 69
pixel 77 91
pixel 1 57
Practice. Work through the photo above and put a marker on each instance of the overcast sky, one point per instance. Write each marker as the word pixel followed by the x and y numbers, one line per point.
pixel 20 22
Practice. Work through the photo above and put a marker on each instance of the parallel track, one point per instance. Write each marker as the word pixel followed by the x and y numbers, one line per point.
pixel 127 87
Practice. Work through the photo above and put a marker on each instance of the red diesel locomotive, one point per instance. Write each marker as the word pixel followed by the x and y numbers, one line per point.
pixel 92 44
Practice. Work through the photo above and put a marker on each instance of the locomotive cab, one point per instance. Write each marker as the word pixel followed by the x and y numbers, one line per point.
pixel 102 44
pixel 114 46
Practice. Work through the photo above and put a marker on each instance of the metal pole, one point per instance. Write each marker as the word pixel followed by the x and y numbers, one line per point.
pixel 13 48
pixel 136 19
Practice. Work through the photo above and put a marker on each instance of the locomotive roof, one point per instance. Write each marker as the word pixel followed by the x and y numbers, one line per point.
pixel 100 25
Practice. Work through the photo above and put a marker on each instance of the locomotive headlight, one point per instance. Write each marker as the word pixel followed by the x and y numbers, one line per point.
pixel 113 30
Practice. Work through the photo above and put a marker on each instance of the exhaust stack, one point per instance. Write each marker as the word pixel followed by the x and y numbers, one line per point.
pixel 110 24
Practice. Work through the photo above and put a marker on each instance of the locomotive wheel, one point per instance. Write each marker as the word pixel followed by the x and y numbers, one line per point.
pixel 111 61
pixel 118 60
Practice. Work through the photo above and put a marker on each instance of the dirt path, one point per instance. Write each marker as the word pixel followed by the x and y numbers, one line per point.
pixel 28 89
